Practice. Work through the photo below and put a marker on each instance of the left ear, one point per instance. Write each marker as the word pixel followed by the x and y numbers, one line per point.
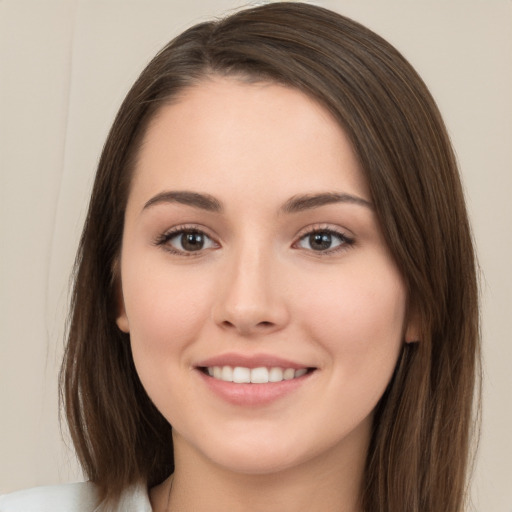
pixel 122 318
pixel 412 329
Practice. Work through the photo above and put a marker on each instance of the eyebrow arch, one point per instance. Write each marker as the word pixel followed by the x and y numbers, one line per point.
pixel 308 201
pixel 194 199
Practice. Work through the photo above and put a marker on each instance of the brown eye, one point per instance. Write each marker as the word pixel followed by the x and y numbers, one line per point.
pixel 320 241
pixel 192 241
pixel 187 241
pixel 323 241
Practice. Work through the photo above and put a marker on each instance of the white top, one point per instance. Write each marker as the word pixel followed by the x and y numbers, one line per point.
pixel 79 497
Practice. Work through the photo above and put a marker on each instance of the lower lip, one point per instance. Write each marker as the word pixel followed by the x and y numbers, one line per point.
pixel 253 394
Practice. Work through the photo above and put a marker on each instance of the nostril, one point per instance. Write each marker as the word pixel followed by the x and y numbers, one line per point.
pixel 227 323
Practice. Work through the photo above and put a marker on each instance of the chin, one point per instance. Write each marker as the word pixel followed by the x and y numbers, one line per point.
pixel 256 453
pixel 258 462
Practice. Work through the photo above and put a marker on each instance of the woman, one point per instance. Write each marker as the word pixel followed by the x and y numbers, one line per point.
pixel 277 262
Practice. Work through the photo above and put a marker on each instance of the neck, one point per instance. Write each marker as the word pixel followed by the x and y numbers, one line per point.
pixel 327 483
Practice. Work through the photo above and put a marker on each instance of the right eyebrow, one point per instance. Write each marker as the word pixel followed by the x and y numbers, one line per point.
pixel 194 199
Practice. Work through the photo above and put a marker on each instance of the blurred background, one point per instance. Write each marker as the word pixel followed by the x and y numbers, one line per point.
pixel 65 67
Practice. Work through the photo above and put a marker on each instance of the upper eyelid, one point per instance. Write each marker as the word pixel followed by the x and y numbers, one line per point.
pixel 166 235
pixel 347 239
pixel 189 227
pixel 307 230
pixel 324 227
pixel 162 241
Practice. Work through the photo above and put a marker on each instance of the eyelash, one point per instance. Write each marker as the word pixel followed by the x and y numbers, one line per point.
pixel 163 240
pixel 345 241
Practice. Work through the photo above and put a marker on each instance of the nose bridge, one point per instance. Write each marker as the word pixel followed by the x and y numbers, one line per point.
pixel 250 299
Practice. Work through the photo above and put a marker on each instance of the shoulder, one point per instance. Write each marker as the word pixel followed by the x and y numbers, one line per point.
pixel 79 497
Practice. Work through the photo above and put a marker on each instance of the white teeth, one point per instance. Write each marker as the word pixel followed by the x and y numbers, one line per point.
pixel 275 375
pixel 241 375
pixel 227 373
pixel 289 374
pixel 261 375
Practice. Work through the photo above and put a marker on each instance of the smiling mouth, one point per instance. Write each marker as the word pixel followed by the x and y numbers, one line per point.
pixel 261 375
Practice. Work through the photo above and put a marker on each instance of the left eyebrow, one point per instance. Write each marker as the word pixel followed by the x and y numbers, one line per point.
pixel 308 201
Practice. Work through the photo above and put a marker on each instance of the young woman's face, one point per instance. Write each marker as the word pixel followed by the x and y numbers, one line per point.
pixel 251 251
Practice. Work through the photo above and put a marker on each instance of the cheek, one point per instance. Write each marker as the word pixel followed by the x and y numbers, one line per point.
pixel 359 317
pixel 165 309
pixel 359 324
pixel 166 313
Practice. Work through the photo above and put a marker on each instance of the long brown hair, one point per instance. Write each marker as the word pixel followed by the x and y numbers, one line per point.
pixel 418 455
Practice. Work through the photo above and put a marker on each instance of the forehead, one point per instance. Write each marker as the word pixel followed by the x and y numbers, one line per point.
pixel 230 136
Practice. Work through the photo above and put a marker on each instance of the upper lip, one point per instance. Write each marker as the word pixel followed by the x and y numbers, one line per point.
pixel 250 361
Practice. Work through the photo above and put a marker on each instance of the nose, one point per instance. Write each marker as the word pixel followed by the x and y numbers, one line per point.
pixel 251 298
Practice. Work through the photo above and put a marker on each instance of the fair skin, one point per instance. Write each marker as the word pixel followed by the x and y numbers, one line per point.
pixel 226 262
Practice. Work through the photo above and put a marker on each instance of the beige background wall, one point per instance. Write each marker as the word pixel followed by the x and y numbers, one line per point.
pixel 64 68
